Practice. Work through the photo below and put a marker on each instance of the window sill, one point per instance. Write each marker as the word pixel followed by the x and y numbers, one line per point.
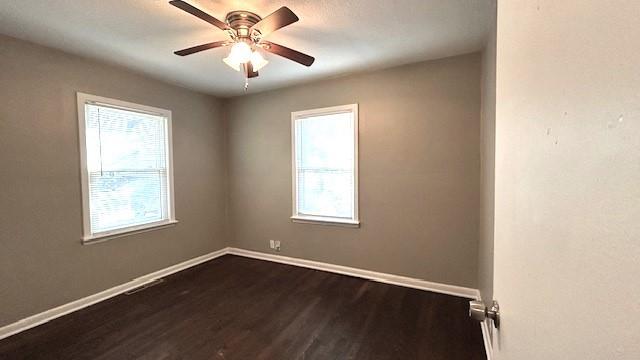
pixel 320 220
pixel 101 237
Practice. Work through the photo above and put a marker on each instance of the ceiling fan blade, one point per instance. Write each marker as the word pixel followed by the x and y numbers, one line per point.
pixel 276 20
pixel 195 49
pixel 199 13
pixel 290 54
pixel 248 67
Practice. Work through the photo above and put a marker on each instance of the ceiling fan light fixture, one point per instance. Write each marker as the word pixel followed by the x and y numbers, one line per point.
pixel 257 61
pixel 240 53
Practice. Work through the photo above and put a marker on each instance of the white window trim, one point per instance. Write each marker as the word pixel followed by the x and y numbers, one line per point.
pixel 325 220
pixel 88 237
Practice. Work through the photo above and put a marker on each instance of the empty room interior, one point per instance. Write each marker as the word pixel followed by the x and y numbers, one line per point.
pixel 362 179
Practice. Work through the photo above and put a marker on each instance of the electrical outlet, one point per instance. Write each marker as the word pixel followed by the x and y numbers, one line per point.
pixel 272 244
pixel 277 245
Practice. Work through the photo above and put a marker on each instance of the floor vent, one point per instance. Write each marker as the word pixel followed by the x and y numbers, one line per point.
pixel 145 286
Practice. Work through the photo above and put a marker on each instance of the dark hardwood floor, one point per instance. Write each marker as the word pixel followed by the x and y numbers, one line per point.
pixel 239 308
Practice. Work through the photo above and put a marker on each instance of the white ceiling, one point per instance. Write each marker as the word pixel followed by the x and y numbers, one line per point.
pixel 344 36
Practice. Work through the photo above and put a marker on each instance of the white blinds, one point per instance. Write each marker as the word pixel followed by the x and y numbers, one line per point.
pixel 127 167
pixel 324 165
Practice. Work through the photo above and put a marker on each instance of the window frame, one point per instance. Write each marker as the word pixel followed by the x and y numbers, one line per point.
pixel 87 236
pixel 297 217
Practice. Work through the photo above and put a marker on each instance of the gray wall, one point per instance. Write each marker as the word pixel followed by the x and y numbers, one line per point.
pixel 487 167
pixel 567 230
pixel 42 263
pixel 419 171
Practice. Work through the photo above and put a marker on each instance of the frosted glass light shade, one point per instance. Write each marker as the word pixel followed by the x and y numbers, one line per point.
pixel 240 53
pixel 234 65
pixel 257 61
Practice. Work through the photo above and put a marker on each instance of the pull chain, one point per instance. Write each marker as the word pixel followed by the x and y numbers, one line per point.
pixel 246 84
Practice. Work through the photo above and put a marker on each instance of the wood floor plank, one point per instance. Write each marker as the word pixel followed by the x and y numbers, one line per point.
pixel 238 308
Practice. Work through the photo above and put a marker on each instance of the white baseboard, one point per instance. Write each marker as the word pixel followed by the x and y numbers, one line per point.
pixel 361 273
pixel 48 315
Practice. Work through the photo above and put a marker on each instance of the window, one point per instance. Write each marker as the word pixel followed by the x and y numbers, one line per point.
pixel 325 165
pixel 126 162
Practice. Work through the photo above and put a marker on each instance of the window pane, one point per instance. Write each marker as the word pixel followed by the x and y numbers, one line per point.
pixel 119 139
pixel 325 165
pixel 121 199
pixel 127 165
pixel 326 141
pixel 325 192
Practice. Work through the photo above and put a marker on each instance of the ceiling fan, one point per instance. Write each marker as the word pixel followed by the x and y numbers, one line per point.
pixel 247 31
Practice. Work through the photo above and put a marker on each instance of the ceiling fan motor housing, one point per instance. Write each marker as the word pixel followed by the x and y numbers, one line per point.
pixel 242 21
